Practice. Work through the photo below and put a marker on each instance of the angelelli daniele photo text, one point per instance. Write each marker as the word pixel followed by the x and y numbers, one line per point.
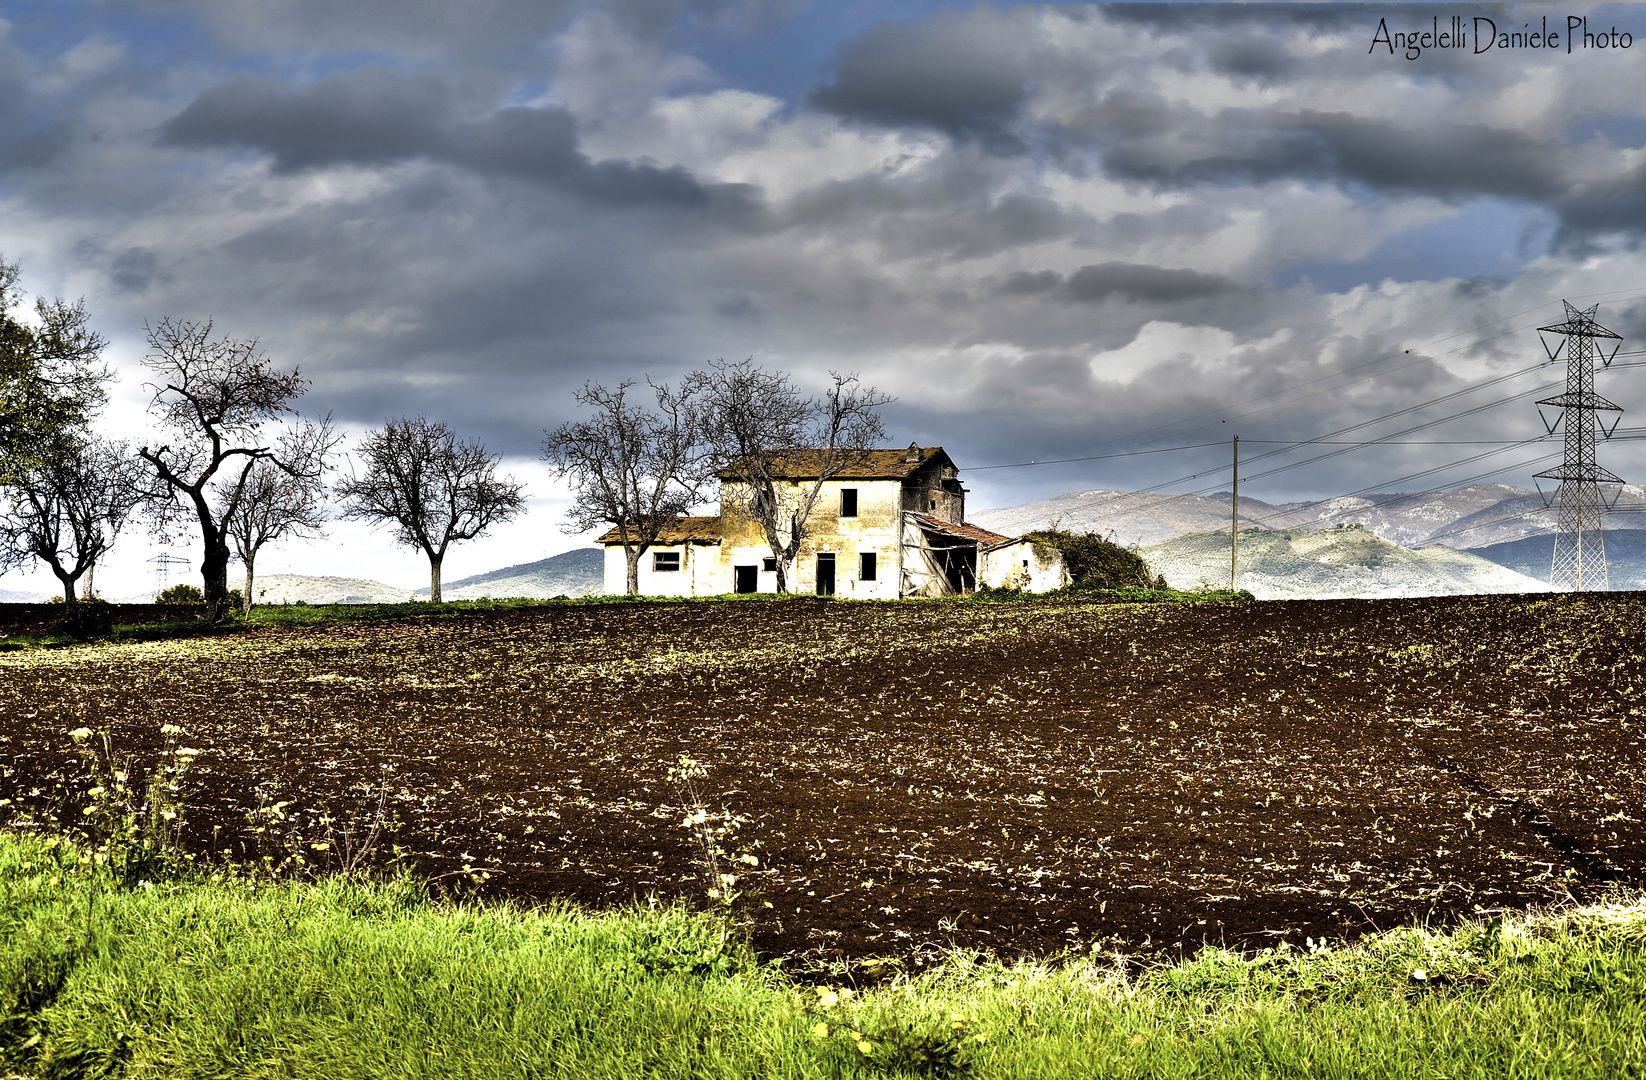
pixel 1478 34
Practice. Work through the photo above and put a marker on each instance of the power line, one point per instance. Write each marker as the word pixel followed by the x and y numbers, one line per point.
pixel 1361 367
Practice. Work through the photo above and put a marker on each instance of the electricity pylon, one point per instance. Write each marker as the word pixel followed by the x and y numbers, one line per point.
pixel 1580 550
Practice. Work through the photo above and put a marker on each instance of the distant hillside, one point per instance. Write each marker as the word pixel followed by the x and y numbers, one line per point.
pixel 579 572
pixel 1625 556
pixel 10 596
pixel 1330 564
pixel 1469 517
pixel 1130 518
pixel 318 589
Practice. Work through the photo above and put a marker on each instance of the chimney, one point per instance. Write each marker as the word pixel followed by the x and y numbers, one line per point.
pixel 914 453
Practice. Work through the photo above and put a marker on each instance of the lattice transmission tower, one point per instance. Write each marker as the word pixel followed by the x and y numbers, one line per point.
pixel 1580 550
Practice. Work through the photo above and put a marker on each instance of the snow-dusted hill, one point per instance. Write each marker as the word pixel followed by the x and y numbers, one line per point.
pixel 321 589
pixel 575 573
pixel 1475 516
pixel 1325 564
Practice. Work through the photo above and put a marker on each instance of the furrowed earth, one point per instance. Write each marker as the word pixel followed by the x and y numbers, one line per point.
pixel 1023 778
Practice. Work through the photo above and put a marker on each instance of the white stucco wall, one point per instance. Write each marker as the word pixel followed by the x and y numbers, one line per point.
pixel 1025 564
pixel 874 528
pixel 699 573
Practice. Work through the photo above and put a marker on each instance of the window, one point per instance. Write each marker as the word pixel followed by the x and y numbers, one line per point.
pixel 769 565
pixel 848 502
pixel 933 505
pixel 665 560
pixel 865 566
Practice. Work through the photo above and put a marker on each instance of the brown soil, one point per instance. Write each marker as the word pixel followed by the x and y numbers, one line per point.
pixel 1026 778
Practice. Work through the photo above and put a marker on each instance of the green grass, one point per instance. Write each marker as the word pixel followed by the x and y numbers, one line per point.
pixel 290 616
pixel 347 978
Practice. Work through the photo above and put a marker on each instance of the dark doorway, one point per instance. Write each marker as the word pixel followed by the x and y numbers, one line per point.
pixel 748 578
pixel 825 574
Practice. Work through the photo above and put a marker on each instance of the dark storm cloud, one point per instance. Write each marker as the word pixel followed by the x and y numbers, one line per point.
pixel 367 116
pixel 1130 281
pixel 1614 206
pixel 1249 57
pixel 964 73
pixel 1244 145
pixel 476 30
pixel 374 116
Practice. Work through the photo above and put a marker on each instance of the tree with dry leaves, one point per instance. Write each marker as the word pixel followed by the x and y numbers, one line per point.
pixel 216 399
pixel 433 487
pixel 756 421
pixel 630 467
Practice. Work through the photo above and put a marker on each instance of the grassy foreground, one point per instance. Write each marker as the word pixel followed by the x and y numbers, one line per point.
pixel 294 616
pixel 345 978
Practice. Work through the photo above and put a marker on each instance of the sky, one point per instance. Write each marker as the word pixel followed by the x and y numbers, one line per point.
pixel 1050 232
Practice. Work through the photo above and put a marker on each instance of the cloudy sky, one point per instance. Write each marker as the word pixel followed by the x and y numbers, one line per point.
pixel 1052 232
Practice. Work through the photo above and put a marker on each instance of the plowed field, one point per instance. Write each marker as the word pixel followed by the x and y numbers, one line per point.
pixel 1026 778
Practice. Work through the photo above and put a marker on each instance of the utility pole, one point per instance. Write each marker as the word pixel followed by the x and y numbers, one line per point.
pixel 1234 523
pixel 1580 551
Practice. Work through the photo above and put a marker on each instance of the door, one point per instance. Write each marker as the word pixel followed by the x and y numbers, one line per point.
pixel 825 574
pixel 748 578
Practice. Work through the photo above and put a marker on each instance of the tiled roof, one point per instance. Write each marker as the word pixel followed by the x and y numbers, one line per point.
pixel 963 531
pixel 802 464
pixel 683 530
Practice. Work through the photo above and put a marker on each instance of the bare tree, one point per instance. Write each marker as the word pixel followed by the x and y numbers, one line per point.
pixel 215 396
pixel 273 505
pixel 776 448
pixel 66 512
pixel 435 488
pixel 629 467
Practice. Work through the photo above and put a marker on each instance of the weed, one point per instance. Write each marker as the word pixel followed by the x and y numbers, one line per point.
pixel 133 821
pixel 709 831
pixel 313 843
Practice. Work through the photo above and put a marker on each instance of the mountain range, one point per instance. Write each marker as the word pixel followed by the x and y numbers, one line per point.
pixel 1326 564
pixel 1471 517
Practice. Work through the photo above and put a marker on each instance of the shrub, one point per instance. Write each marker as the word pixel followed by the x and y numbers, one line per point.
pixel 86 620
pixel 181 593
pixel 184 593
pixel 1095 563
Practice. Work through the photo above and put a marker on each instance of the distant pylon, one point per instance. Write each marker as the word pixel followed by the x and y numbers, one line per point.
pixel 1580 549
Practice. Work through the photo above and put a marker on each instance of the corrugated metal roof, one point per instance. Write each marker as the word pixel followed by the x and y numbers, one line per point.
pixel 805 464
pixel 682 530
pixel 962 531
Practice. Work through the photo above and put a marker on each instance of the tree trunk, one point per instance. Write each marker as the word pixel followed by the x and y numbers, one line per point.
pixel 782 574
pixel 632 582
pixel 63 576
pixel 214 572
pixel 434 579
pixel 249 562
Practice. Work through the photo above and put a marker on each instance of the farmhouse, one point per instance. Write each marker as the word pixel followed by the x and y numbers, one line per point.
pixel 890 525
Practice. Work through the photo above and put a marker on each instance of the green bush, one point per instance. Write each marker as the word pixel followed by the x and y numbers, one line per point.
pixel 181 593
pixel 184 593
pixel 1095 563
